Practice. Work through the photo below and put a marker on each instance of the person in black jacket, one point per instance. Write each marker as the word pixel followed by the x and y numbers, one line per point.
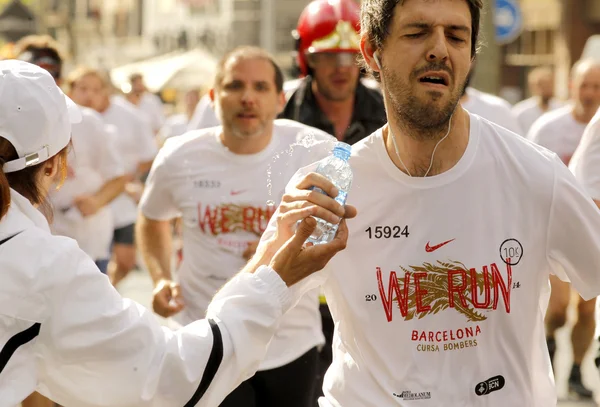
pixel 332 96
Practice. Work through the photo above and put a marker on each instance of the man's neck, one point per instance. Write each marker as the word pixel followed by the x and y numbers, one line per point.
pixel 190 113
pixel 104 107
pixel 246 146
pixel 416 152
pixel 583 115
pixel 544 104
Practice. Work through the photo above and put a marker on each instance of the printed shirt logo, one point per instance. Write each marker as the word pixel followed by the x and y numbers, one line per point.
pixel 430 249
pixel 490 385
pixel 229 218
pixel 234 192
pixel 409 395
pixel 433 288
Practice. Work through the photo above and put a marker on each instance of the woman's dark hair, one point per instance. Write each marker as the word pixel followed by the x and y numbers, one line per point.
pixel 25 180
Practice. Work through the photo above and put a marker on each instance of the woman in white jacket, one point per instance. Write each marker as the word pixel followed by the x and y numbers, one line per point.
pixel 65 331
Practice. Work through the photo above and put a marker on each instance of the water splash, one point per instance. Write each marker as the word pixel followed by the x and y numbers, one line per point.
pixel 306 140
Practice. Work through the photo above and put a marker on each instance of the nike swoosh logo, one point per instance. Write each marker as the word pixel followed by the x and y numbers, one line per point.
pixel 430 249
pixel 238 192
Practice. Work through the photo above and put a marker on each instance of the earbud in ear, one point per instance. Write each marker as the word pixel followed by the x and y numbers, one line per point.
pixel 377 60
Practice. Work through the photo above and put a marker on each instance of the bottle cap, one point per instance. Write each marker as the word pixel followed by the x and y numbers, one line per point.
pixel 342 150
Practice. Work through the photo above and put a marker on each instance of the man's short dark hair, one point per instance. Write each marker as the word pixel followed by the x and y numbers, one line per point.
pixel 376 17
pixel 249 52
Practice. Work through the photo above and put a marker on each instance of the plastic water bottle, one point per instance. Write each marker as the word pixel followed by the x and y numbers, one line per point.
pixel 337 169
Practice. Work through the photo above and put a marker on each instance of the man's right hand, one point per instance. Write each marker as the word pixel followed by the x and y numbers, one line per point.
pixel 166 298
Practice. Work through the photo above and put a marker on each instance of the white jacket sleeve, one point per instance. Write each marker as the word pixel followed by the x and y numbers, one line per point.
pixel 315 280
pixel 98 349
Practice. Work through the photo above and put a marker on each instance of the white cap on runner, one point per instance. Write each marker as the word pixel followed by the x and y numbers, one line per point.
pixel 35 115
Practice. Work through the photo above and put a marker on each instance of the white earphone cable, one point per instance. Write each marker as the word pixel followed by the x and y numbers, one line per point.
pixel 378 62
pixel 432 154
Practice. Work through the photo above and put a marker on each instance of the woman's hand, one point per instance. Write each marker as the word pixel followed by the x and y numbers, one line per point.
pixel 295 260
pixel 301 204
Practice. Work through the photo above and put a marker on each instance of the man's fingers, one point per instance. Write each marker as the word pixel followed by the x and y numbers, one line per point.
pixel 317 180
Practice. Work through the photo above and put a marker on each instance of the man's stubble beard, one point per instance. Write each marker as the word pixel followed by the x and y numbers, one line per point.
pixel 423 119
pixel 245 135
pixel 233 129
pixel 333 96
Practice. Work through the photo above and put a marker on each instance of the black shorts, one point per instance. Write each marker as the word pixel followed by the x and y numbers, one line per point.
pixel 292 385
pixel 124 235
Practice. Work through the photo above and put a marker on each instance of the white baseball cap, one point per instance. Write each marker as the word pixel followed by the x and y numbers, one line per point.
pixel 35 115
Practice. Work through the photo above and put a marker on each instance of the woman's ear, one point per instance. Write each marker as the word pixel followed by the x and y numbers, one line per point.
pixel 52 166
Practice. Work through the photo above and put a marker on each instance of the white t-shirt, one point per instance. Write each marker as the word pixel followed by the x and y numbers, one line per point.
pixel 585 163
pixel 558 131
pixel 528 111
pixel 93 161
pixel 475 246
pixel 204 115
pixel 153 107
pixel 492 108
pixel 175 125
pixel 222 198
pixel 136 145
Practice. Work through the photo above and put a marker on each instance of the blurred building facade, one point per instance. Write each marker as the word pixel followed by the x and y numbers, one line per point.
pixel 113 33
pixel 219 25
pixel 554 34
pixel 110 33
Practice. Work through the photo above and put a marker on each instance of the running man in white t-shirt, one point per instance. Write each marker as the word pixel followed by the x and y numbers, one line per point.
pixel 560 131
pixel 137 148
pixel 176 125
pixel 585 164
pixel 492 108
pixel 148 102
pixel 220 180
pixel 439 298
pixel 541 85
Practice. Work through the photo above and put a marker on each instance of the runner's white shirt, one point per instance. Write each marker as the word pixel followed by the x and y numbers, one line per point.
pixel 528 111
pixel 92 161
pixel 204 115
pixel 438 298
pixel 558 131
pixel 222 198
pixel 153 107
pixel 585 163
pixel 175 125
pixel 135 143
pixel 492 108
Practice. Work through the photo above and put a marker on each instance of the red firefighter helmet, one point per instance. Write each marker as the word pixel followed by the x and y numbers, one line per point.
pixel 327 26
